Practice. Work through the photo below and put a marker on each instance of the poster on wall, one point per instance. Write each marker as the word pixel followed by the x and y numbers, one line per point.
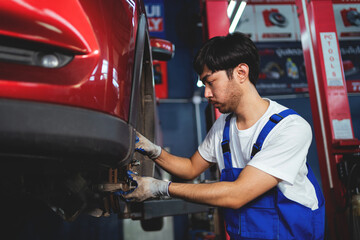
pixel 247 23
pixel 350 52
pixel 276 22
pixel 274 27
pixel 282 69
pixel 347 18
pixel 155 15
pixel 270 22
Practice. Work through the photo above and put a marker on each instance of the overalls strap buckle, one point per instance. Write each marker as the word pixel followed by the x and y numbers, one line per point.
pixel 276 118
pixel 225 146
pixel 255 149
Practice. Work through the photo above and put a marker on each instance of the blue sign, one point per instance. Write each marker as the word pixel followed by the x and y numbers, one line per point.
pixel 156 17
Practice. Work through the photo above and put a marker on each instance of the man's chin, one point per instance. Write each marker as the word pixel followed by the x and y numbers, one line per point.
pixel 223 111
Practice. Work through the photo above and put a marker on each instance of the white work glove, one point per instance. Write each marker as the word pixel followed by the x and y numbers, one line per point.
pixel 148 187
pixel 146 147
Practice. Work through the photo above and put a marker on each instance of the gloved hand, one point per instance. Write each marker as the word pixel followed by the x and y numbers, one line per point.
pixel 146 147
pixel 148 187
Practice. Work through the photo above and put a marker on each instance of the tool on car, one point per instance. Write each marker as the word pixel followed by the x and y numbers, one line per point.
pixel 131 183
pixel 122 188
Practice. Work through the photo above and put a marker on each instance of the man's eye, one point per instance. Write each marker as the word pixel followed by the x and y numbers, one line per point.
pixel 210 83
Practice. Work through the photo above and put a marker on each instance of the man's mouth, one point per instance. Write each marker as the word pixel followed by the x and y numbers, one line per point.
pixel 215 104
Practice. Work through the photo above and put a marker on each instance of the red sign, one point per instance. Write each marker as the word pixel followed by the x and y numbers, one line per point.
pixel 353 86
pixel 160 77
pixel 156 24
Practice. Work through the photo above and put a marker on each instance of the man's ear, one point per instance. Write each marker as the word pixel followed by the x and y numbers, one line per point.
pixel 242 72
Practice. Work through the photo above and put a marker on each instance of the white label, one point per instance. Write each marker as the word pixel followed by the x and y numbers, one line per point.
pixel 342 129
pixel 331 59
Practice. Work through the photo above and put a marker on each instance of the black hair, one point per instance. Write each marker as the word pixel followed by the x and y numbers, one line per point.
pixel 227 52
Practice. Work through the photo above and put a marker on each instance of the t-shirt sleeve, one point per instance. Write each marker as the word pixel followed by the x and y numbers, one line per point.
pixel 285 149
pixel 207 148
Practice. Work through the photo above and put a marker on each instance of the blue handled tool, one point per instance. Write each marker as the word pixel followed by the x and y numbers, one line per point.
pixel 132 186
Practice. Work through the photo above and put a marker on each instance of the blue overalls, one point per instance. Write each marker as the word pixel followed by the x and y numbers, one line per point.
pixel 272 215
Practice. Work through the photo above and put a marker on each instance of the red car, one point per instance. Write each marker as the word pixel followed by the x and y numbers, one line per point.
pixel 76 80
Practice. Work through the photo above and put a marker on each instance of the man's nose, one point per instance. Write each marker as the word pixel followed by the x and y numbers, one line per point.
pixel 207 92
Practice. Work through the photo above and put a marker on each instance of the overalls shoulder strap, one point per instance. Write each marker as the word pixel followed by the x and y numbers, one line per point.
pixel 225 144
pixel 273 120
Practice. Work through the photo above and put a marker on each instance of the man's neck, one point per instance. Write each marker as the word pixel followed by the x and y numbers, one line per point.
pixel 252 108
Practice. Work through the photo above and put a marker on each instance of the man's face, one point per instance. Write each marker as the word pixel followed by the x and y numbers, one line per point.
pixel 222 92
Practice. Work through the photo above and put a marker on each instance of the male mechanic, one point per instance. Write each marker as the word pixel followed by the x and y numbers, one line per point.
pixel 266 188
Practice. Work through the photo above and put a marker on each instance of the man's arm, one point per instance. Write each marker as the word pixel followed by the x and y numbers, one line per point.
pixel 185 168
pixel 250 184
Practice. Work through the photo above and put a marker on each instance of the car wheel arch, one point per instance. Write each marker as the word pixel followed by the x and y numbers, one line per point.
pixel 143 103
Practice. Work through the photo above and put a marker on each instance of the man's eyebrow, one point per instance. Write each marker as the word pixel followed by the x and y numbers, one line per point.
pixel 204 79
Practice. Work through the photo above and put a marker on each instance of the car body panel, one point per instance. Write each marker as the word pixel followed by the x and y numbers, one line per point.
pixel 101 36
pixel 44 21
pixel 68 126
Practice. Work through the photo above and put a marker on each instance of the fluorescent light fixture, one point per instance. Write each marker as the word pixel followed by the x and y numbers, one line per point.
pixel 238 14
pixel 199 83
pixel 231 7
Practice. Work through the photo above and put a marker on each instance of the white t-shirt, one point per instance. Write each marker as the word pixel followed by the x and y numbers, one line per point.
pixel 283 154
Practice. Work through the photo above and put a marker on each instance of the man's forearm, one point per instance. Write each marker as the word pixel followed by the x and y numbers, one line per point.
pixel 178 166
pixel 250 184
pixel 219 194
pixel 185 168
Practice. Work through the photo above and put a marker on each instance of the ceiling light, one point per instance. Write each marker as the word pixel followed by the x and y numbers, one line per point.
pixel 237 17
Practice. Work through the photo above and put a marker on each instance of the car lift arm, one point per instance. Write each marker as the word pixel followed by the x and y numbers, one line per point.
pixel 330 107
